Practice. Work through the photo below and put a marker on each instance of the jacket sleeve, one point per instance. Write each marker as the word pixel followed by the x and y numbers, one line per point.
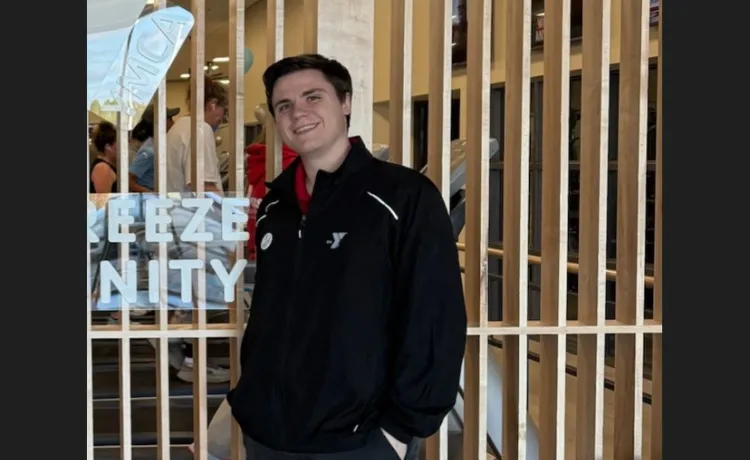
pixel 429 321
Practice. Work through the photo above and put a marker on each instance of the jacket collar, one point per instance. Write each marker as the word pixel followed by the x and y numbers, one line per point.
pixel 356 159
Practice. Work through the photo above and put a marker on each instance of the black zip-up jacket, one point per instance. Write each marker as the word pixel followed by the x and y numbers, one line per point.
pixel 358 319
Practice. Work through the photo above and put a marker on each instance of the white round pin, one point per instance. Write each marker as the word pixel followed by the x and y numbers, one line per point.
pixel 266 241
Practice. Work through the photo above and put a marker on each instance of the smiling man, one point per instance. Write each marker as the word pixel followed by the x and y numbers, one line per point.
pixel 357 327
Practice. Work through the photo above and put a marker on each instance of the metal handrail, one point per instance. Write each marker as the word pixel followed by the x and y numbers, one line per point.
pixel 572 266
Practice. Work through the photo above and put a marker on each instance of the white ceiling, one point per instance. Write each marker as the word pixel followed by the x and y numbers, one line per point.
pixel 217 36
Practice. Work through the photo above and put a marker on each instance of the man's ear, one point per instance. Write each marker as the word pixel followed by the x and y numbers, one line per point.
pixel 347 104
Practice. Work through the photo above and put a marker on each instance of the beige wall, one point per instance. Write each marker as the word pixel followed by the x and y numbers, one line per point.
pixel 293 26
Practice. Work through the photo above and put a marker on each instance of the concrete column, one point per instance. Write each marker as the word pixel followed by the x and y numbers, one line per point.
pixel 344 30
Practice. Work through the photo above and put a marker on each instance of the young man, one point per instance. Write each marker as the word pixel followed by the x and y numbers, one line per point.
pixel 357 327
pixel 178 143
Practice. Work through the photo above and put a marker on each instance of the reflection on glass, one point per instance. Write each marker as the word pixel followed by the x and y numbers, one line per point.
pixel 127 55
pixel 180 221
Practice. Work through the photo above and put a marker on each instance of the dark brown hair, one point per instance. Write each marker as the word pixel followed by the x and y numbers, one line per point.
pixel 104 134
pixel 212 90
pixel 333 71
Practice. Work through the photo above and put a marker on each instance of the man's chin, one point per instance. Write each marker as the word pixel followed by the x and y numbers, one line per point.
pixel 308 147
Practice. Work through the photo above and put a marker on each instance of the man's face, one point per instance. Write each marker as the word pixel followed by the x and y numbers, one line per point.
pixel 214 113
pixel 309 115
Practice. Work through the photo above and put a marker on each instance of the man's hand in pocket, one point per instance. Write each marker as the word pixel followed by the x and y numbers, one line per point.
pixel 397 445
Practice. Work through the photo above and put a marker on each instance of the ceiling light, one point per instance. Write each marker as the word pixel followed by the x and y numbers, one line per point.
pixel 221 59
pixel 223 81
pixel 540 14
pixel 185 76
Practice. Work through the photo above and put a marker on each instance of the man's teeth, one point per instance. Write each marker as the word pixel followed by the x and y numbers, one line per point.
pixel 304 129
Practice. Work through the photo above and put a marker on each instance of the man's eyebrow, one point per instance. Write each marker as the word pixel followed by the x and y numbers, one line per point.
pixel 311 91
pixel 279 102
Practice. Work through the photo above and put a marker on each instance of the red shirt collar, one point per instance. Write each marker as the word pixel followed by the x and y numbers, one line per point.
pixel 300 189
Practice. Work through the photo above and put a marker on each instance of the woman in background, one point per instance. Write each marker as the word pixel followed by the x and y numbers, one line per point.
pixel 103 173
pixel 255 176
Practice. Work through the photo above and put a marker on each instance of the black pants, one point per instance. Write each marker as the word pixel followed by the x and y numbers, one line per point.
pixel 187 348
pixel 377 448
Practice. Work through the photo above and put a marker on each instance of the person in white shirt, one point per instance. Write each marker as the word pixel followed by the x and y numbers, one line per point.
pixel 178 143
pixel 178 180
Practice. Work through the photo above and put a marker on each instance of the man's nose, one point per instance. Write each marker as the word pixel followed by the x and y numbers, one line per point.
pixel 298 112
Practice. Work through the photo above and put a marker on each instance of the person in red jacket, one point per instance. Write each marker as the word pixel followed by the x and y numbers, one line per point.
pixel 255 170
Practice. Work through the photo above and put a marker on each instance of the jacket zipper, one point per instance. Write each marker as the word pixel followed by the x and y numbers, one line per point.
pixel 295 282
pixel 301 230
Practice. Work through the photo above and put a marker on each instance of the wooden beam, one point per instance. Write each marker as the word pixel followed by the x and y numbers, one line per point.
pixel 438 138
pixel 656 362
pixel 399 107
pixel 593 228
pixel 237 188
pixel 479 22
pixel 516 223
pixel 274 52
pixel 197 182
pixel 631 217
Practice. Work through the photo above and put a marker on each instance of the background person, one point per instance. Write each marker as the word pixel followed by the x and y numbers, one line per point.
pixel 255 175
pixel 141 174
pixel 179 165
pixel 103 173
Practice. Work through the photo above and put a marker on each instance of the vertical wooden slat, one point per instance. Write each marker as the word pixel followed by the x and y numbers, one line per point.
pixel 631 189
pixel 438 130
pixel 197 181
pixel 515 224
pixel 237 95
pixel 310 28
pixel 126 432
pixel 89 357
pixel 656 362
pixel 197 95
pixel 399 107
pixel 162 348
pixel 237 183
pixel 274 52
pixel 439 97
pixel 479 19
pixel 593 228
pixel 556 104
